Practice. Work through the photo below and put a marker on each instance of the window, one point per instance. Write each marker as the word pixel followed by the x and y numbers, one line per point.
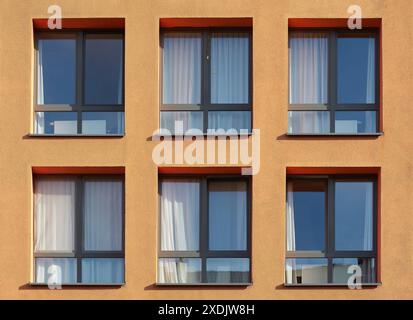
pixel 79 233
pixel 204 230
pixel 206 79
pixel 331 225
pixel 79 83
pixel 334 82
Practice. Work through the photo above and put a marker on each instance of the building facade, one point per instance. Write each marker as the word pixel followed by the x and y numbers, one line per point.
pixel 90 200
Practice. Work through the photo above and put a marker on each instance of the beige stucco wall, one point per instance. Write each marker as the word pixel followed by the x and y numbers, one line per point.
pixel 392 152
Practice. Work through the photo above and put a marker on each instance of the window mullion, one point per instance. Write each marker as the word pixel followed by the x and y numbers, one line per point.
pixel 79 227
pixel 203 224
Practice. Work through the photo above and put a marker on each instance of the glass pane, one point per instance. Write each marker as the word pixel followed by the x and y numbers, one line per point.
pixel 182 68
pixel 354 216
pixel 223 270
pixel 342 273
pixel 180 215
pixel 308 56
pixel 54 214
pixel 103 270
pixel 356 70
pixel 230 67
pixel 103 123
pixel 229 120
pixel 103 69
pixel 355 121
pixel 308 122
pixel 56 71
pixel 56 123
pixel 227 208
pixel 187 120
pixel 306 211
pixel 103 203
pixel 179 270
pixel 306 271
pixel 55 270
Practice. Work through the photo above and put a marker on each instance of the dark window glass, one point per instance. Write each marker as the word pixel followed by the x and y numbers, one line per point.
pixel 56 71
pixel 333 85
pixel 306 211
pixel 344 268
pixel 103 69
pixel 331 229
pixel 228 270
pixel 204 230
pixel 354 216
pixel 355 121
pixel 356 70
pixel 103 122
pixel 227 215
pixel 206 71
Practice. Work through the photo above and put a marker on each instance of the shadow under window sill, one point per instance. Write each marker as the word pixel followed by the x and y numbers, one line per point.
pixel 36 135
pixel 330 285
pixel 371 134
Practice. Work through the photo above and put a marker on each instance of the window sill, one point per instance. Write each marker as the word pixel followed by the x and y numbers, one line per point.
pixel 320 285
pixel 114 285
pixel 247 284
pixel 35 135
pixel 374 134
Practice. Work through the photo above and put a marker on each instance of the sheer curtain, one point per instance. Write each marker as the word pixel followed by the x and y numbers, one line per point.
pixel 368 217
pixel 56 270
pixel 54 214
pixel 229 67
pixel 103 215
pixel 182 68
pixel 180 215
pixel 40 90
pixel 370 89
pixel 102 270
pixel 308 121
pixel 179 270
pixel 308 54
pixel 290 217
pixel 229 120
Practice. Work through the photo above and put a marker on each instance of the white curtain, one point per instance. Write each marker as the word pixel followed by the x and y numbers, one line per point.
pixel 290 269
pixel 308 55
pixel 190 120
pixel 40 89
pixel 40 122
pixel 368 217
pixel 371 83
pixel 55 270
pixel 103 215
pixel 290 217
pixel 229 120
pixel 230 67
pixel 181 68
pixel 180 215
pixel 179 270
pixel 102 270
pixel 54 214
pixel 308 121
pixel 227 216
